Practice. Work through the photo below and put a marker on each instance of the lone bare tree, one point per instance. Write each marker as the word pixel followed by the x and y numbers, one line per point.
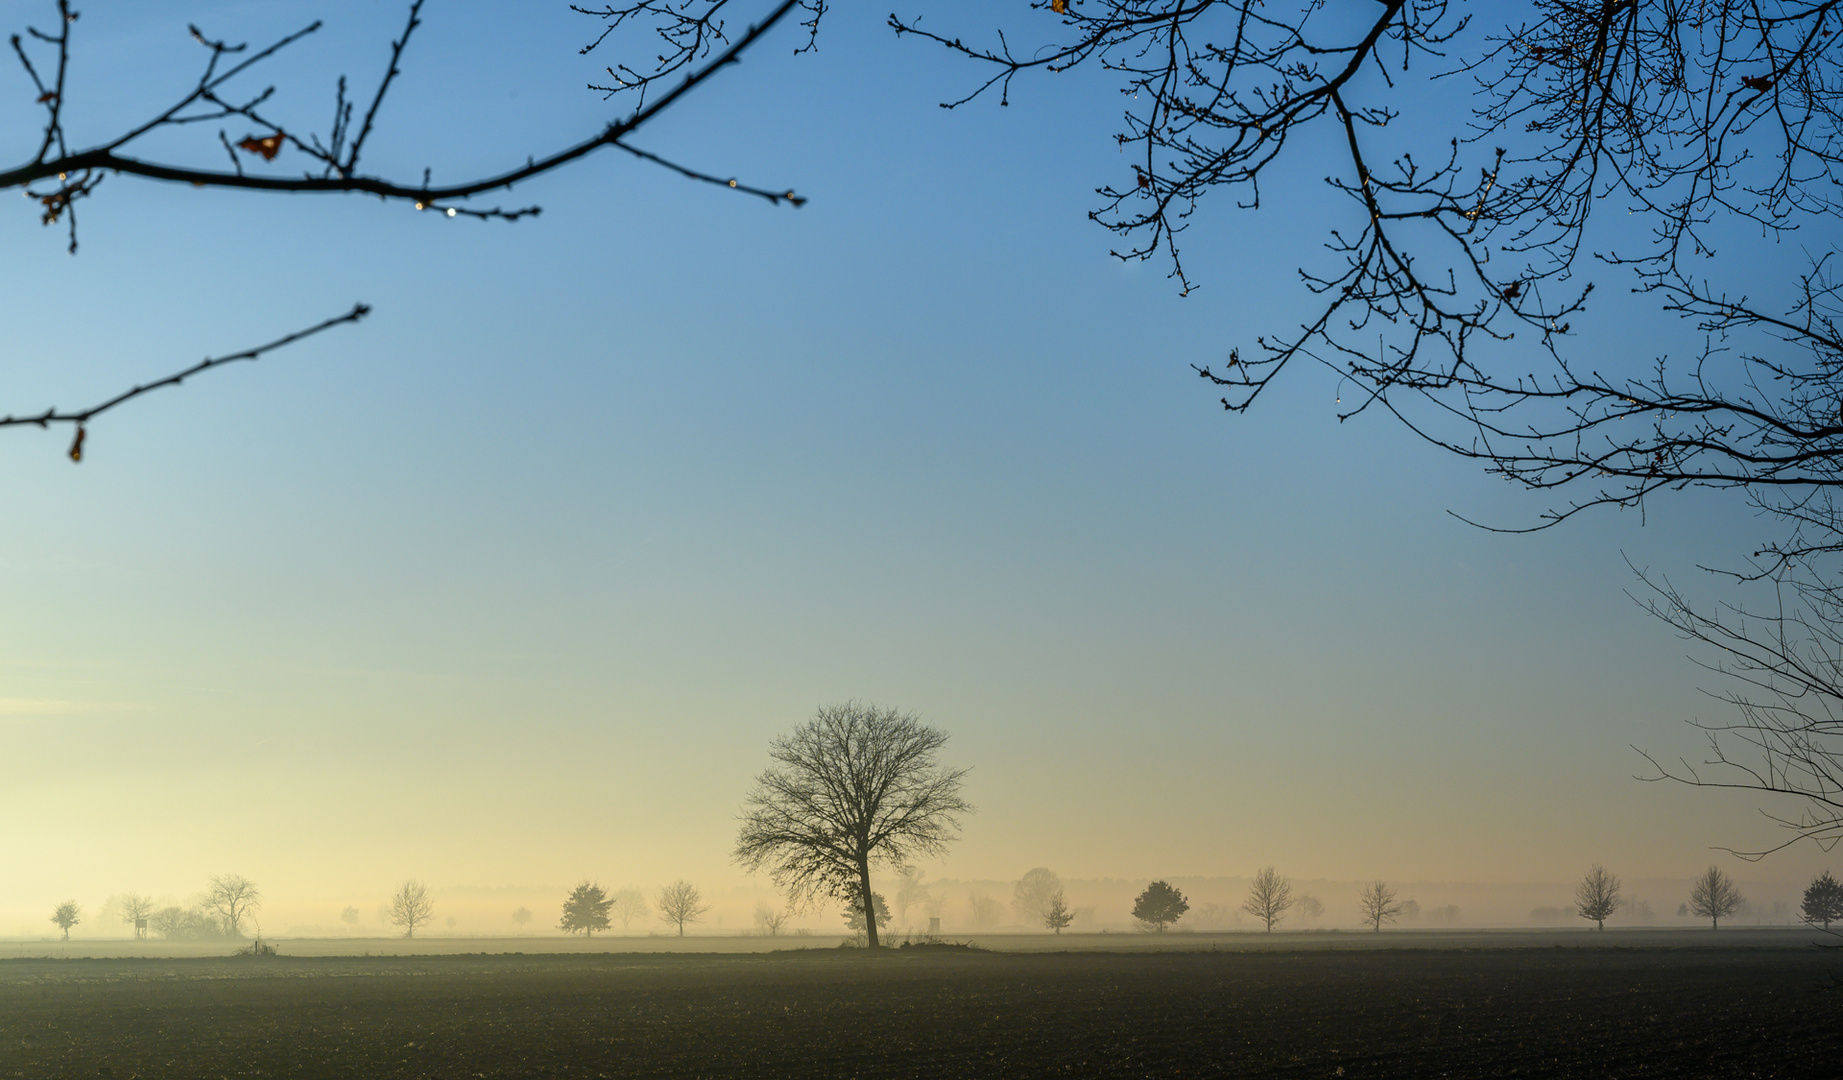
pixel 270 153
pixel 1268 897
pixel 135 908
pixel 1714 897
pixel 67 915
pixel 855 787
pixel 521 916
pixel 411 906
pixel 1597 896
pixel 680 903
pixel 769 920
pixel 629 904
pixel 1377 902
pixel 585 910
pixel 1823 901
pixel 232 898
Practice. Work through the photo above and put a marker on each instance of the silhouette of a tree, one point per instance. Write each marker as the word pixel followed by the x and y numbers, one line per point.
pixel 411 906
pixel 1269 896
pixel 1597 896
pixel 585 910
pixel 680 903
pixel 854 787
pixel 1160 905
pixel 67 915
pixel 1378 904
pixel 1823 902
pixel 1714 896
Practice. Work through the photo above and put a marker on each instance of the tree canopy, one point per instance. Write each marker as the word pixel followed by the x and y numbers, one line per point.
pixel 855 787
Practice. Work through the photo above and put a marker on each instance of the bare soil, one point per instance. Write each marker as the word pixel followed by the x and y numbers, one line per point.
pixel 1465 1012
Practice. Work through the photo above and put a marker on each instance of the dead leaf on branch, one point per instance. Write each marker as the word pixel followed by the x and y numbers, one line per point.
pixel 268 146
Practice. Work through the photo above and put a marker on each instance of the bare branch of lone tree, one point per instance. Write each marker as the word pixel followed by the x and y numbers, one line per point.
pixel 411 906
pixel 1714 897
pixel 232 898
pixel 1487 165
pixel 1377 902
pixel 855 787
pixel 1269 895
pixel 680 903
pixel 1597 896
pixel 272 154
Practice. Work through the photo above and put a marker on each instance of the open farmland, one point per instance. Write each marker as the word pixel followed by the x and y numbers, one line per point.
pixel 1740 1010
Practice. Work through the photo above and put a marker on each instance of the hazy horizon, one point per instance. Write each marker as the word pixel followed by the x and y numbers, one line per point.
pixel 515 581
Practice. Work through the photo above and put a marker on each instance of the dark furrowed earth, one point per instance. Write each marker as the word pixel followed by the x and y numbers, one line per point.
pixel 1551 1012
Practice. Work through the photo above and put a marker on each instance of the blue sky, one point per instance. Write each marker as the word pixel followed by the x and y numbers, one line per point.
pixel 514 581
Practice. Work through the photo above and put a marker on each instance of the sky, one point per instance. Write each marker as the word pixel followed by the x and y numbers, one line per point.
pixel 511 584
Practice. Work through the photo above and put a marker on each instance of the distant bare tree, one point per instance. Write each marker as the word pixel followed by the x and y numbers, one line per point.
pixel 629 904
pixel 1714 897
pixel 135 909
pixel 769 920
pixel 411 906
pixel 1031 895
pixel 1823 901
pixel 983 911
pixel 1159 906
pixel 1377 902
pixel 586 910
pixel 521 916
pixel 1311 907
pixel 910 890
pixel 1056 913
pixel 349 916
pixel 67 915
pixel 1597 896
pixel 232 897
pixel 680 903
pixel 1268 897
pixel 854 787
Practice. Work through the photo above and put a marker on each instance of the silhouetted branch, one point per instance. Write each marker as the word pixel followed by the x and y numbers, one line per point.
pixel 80 417
pixel 57 178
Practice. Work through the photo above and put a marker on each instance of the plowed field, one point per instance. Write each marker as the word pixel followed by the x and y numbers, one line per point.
pixel 836 1013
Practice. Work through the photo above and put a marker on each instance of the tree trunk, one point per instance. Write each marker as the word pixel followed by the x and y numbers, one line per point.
pixel 869 901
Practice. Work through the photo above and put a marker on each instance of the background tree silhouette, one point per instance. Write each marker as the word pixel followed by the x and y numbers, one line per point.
pixel 1159 906
pixel 855 787
pixel 1032 893
pixel 1823 901
pixel 411 906
pixel 1378 904
pixel 1714 897
pixel 680 903
pixel 1597 896
pixel 1269 895
pixel 629 904
pixel 67 915
pixel 585 910
pixel 1056 913
pixel 232 898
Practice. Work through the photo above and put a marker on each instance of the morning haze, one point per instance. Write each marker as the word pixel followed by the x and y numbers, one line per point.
pixel 510 587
